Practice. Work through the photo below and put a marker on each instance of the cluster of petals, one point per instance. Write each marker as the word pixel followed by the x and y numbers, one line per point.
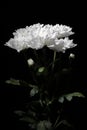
pixel 55 37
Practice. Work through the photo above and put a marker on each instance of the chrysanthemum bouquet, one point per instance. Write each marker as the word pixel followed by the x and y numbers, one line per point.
pixel 44 48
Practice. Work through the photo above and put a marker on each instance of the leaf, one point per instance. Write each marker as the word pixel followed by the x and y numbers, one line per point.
pixel 19 112
pixel 44 125
pixel 75 94
pixel 13 81
pixel 28 119
pixel 41 126
pixel 48 124
pixel 63 122
pixel 33 91
pixel 32 86
pixel 31 113
pixel 70 96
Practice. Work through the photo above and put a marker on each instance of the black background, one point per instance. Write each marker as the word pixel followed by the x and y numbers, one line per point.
pixel 15 16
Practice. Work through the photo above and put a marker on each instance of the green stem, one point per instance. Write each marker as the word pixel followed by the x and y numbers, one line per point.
pixel 54 58
pixel 36 56
pixel 57 120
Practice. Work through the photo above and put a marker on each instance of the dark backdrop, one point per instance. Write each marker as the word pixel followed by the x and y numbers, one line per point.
pixel 11 63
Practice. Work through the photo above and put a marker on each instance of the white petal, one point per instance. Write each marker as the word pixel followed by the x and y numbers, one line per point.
pixel 62 44
pixel 38 35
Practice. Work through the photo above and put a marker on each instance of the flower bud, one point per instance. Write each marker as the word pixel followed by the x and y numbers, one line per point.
pixel 30 62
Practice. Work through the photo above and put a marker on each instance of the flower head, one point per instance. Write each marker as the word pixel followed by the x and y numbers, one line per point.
pixel 60 45
pixel 38 35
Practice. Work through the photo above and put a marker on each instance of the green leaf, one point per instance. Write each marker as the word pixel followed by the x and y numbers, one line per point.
pixel 63 122
pixel 41 126
pixel 31 113
pixel 13 81
pixel 28 119
pixel 44 125
pixel 19 112
pixel 70 96
pixel 32 86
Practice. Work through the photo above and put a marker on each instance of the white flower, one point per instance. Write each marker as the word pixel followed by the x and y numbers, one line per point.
pixel 61 45
pixel 16 44
pixel 38 35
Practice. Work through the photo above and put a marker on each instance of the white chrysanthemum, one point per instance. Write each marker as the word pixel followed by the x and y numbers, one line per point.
pixel 62 44
pixel 38 35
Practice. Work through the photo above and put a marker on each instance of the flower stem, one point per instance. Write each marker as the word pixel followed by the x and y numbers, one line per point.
pixel 54 57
